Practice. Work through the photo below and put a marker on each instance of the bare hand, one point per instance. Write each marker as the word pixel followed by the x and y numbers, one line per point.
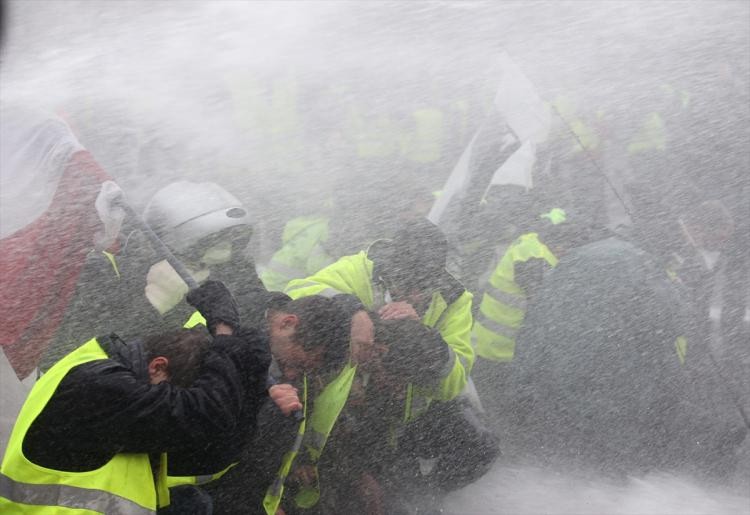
pixel 398 311
pixel 285 397
pixel 362 337
pixel 304 475
pixel 372 493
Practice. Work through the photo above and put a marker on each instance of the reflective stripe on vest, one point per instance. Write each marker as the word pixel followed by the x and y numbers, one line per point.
pixel 503 305
pixel 510 299
pixel 125 484
pixel 173 481
pixel 325 412
pixel 49 498
pixel 276 275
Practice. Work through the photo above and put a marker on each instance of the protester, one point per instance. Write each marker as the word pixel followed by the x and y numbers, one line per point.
pixel 310 345
pixel 606 377
pixel 405 278
pixel 99 409
pixel 134 289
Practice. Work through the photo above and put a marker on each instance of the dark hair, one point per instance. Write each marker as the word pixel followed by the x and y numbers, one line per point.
pixel 421 242
pixel 415 256
pixel 276 300
pixel 184 348
pixel 416 352
pixel 321 322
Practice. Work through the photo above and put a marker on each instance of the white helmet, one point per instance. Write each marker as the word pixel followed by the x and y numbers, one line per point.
pixel 184 213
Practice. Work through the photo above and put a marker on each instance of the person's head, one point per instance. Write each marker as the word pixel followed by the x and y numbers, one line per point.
pixel 412 260
pixel 202 223
pixel 409 198
pixel 410 353
pixel 308 335
pixel 176 356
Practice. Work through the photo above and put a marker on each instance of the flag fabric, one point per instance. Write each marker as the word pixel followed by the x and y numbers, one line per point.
pixel 504 147
pixel 518 168
pixel 49 184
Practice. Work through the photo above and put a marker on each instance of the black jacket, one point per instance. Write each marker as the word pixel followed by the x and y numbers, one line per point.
pixel 106 407
pixel 105 302
pixel 597 381
pixel 243 488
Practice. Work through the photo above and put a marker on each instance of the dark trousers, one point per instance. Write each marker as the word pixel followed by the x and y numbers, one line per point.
pixel 188 500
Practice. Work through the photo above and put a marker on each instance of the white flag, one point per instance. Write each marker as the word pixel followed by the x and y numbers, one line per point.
pixel 519 115
pixel 517 168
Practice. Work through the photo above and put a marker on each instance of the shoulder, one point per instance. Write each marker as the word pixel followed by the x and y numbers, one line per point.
pixel 450 288
pixel 94 379
pixel 354 264
pixel 359 259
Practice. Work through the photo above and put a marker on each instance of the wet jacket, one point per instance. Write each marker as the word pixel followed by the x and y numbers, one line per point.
pixel 603 376
pixel 122 483
pixel 108 406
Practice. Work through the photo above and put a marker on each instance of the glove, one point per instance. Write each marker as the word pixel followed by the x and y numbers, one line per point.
pixel 215 302
pixel 110 213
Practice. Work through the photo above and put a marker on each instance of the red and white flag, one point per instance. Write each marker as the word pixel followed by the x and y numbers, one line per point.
pixel 48 187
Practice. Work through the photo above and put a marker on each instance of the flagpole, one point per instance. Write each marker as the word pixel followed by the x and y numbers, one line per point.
pixel 159 245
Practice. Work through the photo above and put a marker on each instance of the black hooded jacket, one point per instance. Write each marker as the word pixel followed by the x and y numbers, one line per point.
pixel 105 407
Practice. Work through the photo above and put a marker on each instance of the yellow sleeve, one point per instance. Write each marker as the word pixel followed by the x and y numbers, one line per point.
pixel 455 328
pixel 350 274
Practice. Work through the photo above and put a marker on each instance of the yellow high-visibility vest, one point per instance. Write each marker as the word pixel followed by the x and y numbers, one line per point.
pixel 325 412
pixel 125 484
pixel 503 306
